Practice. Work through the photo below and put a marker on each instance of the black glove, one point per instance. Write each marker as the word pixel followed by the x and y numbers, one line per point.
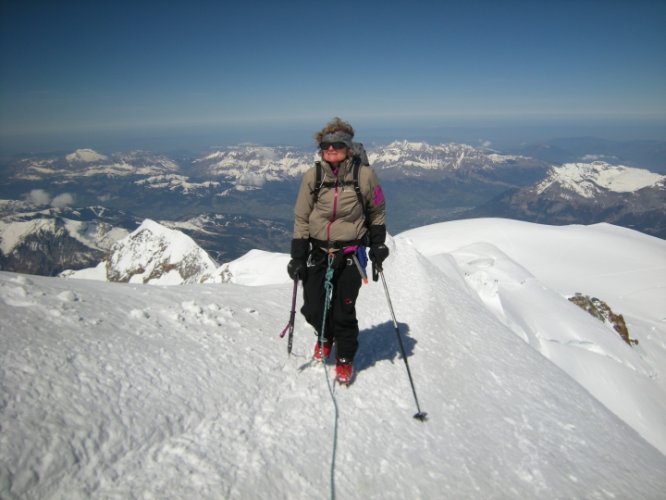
pixel 378 250
pixel 378 254
pixel 376 234
pixel 297 269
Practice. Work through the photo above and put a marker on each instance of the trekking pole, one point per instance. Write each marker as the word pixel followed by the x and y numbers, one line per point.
pixel 292 317
pixel 420 415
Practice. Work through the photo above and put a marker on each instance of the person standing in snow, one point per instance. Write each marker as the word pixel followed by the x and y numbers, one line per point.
pixel 331 232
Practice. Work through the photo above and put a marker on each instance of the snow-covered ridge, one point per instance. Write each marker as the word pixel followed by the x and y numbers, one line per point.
pixel 588 179
pixel 530 298
pixel 125 387
pixel 524 274
pixel 433 157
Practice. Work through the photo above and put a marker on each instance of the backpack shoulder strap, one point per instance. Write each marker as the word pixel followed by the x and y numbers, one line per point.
pixel 357 187
pixel 317 184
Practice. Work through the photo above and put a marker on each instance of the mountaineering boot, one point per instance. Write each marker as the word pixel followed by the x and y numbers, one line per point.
pixel 322 351
pixel 344 371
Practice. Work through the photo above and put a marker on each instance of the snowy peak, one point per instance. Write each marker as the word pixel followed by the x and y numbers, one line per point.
pixel 157 255
pixel 590 179
pixel 85 156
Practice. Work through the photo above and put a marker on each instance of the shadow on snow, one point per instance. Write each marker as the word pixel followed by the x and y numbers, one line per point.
pixel 380 343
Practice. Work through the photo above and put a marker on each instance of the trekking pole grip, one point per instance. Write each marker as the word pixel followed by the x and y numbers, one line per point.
pixel 376 269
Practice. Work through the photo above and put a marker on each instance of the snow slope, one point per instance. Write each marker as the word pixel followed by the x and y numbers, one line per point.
pixel 133 391
pixel 624 268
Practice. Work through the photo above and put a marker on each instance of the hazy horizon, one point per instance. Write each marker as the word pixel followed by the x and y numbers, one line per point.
pixel 198 138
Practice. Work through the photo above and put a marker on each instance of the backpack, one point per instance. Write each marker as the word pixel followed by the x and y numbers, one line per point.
pixel 359 159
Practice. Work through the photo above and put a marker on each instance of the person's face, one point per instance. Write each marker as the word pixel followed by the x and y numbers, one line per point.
pixel 334 153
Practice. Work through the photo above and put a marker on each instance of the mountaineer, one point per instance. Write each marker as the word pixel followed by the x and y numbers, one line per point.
pixel 339 212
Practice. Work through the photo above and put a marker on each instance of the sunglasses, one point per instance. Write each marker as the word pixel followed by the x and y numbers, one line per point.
pixel 336 145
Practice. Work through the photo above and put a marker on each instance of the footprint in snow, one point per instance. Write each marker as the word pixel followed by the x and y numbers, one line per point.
pixel 139 314
pixel 68 296
pixel 16 297
pixel 21 280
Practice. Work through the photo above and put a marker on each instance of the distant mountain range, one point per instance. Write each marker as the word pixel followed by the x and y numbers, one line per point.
pixel 65 211
pixel 252 165
pixel 586 193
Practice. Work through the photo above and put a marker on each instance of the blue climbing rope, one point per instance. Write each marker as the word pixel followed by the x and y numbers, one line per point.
pixel 328 291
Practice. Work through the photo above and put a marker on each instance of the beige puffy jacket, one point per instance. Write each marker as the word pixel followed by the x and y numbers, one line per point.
pixel 337 215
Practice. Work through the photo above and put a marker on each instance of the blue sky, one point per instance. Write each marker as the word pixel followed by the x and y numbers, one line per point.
pixel 253 70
